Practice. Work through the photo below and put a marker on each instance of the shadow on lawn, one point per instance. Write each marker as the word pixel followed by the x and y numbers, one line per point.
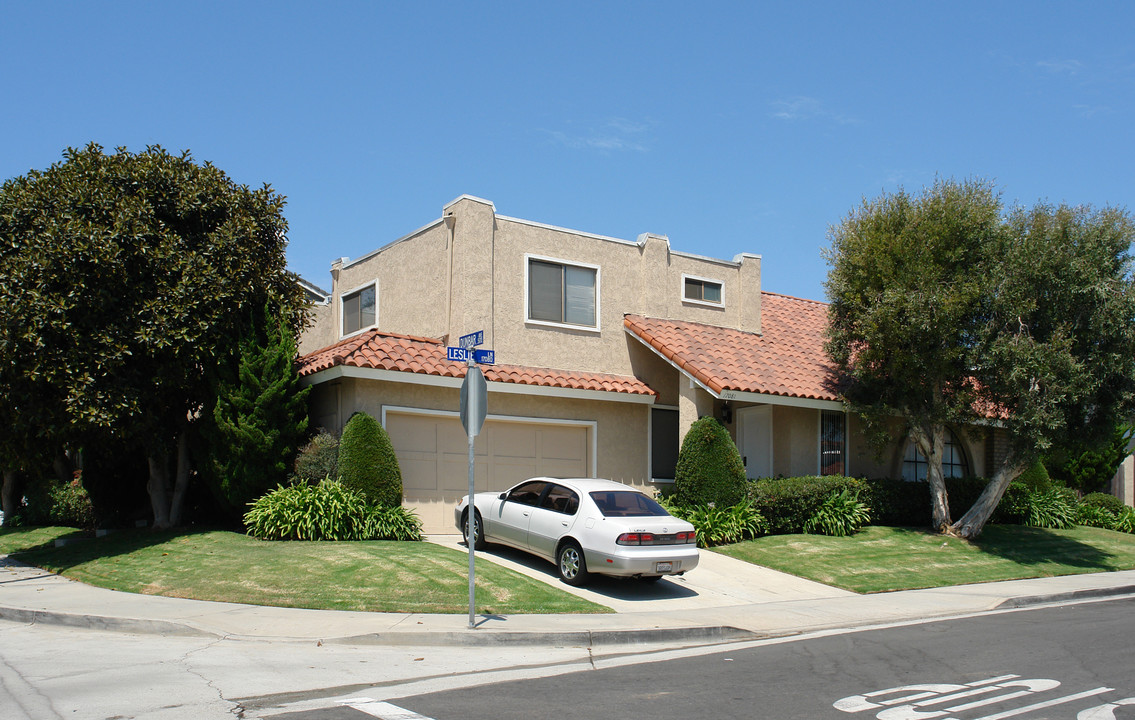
pixel 82 547
pixel 1037 546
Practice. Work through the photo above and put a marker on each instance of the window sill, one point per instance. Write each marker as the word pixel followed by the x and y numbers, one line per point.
pixel 562 326
pixel 703 303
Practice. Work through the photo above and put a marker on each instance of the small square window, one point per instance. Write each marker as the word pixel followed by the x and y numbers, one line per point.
pixel 360 309
pixel 700 290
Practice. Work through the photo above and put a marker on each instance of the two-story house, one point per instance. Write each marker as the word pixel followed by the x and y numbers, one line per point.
pixel 606 351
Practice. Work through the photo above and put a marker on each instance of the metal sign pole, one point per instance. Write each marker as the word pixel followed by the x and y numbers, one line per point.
pixel 472 535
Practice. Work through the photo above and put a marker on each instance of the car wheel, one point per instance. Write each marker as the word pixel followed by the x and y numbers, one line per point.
pixel 573 568
pixel 478 531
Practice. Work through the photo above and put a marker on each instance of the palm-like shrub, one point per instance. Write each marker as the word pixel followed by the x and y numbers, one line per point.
pixel 709 467
pixel 1125 521
pixel 327 511
pixel 841 514
pixel 367 462
pixel 721 525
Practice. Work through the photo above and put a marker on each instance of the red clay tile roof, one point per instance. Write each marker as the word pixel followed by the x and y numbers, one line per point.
pixel 406 353
pixel 786 359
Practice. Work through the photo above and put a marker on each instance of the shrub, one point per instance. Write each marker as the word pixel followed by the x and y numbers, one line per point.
pixel 721 525
pixel 50 502
pixel 394 523
pixel 1125 521
pixel 318 459
pixel 1105 501
pixel 327 511
pixel 709 468
pixel 840 515
pixel 1055 508
pixel 1035 477
pixel 367 462
pixel 898 503
pixel 1095 516
pixel 787 504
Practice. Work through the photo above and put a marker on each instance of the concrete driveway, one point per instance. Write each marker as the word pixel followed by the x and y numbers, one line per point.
pixel 717 581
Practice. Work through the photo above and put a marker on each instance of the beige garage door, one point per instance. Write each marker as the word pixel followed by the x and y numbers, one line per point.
pixel 433 453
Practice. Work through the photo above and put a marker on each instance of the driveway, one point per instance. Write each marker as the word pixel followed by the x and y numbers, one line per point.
pixel 717 581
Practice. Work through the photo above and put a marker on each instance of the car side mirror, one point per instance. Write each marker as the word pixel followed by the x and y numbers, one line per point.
pixel 502 496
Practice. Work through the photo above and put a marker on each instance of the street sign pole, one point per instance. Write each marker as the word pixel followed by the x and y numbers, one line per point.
pixel 473 410
pixel 472 535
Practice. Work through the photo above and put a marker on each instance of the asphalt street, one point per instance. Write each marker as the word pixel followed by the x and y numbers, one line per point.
pixel 1070 661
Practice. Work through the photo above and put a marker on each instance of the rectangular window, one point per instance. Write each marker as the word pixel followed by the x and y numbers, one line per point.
pixel 701 290
pixel 360 309
pixel 833 442
pixel 663 443
pixel 562 294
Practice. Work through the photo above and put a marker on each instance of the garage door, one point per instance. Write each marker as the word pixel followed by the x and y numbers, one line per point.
pixel 433 453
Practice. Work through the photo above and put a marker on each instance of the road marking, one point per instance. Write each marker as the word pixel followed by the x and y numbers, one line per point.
pixel 382 710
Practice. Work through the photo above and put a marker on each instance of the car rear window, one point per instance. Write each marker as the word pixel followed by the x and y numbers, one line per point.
pixel 626 503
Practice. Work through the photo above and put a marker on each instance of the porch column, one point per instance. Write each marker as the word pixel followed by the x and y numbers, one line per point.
pixel 693 402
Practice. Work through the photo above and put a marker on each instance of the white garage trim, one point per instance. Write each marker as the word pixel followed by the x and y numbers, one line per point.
pixel 591 425
pixel 398 376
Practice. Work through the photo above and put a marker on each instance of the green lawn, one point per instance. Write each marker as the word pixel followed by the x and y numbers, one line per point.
pixel 377 576
pixel 881 559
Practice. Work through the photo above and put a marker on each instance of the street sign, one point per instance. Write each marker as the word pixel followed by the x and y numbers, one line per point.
pixel 474 391
pixel 472 340
pixel 456 354
pixel 484 357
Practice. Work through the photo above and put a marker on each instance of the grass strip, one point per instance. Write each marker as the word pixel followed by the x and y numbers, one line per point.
pixel 374 576
pixel 884 559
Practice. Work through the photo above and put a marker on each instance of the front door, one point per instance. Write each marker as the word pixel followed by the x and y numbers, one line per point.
pixel 754 440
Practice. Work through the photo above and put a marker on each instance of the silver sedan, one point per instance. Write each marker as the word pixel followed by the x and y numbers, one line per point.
pixel 584 526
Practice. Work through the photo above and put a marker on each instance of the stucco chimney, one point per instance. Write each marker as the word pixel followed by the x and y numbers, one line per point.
pixel 750 291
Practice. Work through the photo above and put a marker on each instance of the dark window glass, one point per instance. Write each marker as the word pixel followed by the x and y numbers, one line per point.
pixel 954 465
pixel 663 443
pixel 833 441
pixel 703 290
pixel 358 310
pixel 626 503
pixel 561 293
pixel 528 493
pixel 561 500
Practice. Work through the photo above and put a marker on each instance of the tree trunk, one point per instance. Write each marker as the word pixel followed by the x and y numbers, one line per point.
pixel 931 442
pixel 10 494
pixel 181 482
pixel 970 525
pixel 159 491
pixel 64 470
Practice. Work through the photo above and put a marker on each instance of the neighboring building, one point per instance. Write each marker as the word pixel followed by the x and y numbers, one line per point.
pixel 607 350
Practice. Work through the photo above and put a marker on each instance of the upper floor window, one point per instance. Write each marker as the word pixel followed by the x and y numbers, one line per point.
pixel 702 290
pixel 360 309
pixel 563 294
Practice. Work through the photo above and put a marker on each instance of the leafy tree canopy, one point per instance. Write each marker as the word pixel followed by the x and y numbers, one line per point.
pixel 126 280
pixel 948 309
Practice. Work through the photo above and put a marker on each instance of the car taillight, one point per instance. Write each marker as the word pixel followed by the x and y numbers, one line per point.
pixel 688 537
pixel 635 539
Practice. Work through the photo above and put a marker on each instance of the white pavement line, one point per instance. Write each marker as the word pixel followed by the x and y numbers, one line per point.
pixel 382 710
pixel 1047 704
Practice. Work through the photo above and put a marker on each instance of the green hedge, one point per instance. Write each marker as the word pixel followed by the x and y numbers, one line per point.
pixel 788 504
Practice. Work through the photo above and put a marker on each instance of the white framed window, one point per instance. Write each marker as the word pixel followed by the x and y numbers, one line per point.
pixel 833 442
pixel 954 465
pixel 703 291
pixel 360 308
pixel 561 293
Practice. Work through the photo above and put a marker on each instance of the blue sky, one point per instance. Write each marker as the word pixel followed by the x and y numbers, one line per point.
pixel 729 127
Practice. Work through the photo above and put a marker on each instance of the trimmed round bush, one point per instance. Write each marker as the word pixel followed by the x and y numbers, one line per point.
pixel 1104 501
pixel 367 462
pixel 709 469
pixel 318 459
pixel 1036 477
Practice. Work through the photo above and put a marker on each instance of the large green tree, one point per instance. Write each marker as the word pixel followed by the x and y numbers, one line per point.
pixel 946 309
pixel 126 282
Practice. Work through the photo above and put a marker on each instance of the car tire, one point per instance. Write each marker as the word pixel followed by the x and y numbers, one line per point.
pixel 479 542
pixel 571 564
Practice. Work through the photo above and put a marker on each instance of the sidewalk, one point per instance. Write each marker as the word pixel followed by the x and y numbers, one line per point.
pixel 723 599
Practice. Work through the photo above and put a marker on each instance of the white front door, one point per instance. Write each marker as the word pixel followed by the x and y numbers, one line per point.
pixel 754 440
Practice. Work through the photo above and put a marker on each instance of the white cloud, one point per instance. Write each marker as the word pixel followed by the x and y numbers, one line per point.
pixel 611 135
pixel 1061 67
pixel 802 107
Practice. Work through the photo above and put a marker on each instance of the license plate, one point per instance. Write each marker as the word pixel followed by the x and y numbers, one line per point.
pixel 663 567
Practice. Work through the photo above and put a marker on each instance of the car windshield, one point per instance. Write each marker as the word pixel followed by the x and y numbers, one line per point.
pixel 626 503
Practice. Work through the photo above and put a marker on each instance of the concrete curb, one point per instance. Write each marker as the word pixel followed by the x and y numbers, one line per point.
pixel 101 622
pixel 706 635
pixel 1029 601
